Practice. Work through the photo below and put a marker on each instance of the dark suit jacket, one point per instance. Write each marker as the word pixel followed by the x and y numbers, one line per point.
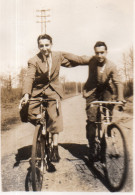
pixel 37 80
pixel 109 78
pixel 95 78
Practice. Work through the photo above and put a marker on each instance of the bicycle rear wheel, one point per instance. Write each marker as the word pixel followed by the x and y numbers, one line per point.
pixel 116 161
pixel 37 159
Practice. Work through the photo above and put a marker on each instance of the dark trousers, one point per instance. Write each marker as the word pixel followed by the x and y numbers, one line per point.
pixel 92 112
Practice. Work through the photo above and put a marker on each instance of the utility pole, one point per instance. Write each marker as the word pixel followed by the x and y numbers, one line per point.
pixel 43 19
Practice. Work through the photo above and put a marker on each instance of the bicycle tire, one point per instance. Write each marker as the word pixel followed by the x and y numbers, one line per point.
pixel 37 175
pixel 116 158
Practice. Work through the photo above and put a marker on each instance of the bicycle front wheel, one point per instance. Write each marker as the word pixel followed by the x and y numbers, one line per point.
pixel 116 161
pixel 37 159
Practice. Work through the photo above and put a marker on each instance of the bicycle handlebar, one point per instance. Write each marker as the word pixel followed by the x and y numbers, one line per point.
pixel 40 100
pixel 107 102
pixel 45 100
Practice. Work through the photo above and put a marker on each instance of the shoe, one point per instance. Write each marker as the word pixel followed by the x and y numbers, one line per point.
pixel 51 168
pixel 55 155
pixel 91 157
pixel 93 152
pixel 90 160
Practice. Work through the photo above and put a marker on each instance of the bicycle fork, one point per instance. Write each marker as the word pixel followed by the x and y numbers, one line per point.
pixel 43 142
pixel 42 154
pixel 46 148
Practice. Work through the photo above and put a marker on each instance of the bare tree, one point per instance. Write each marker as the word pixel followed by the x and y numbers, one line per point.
pixel 128 62
pixel 6 81
pixel 21 77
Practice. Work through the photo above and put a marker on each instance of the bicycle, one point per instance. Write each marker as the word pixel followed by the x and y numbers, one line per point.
pixel 42 145
pixel 111 146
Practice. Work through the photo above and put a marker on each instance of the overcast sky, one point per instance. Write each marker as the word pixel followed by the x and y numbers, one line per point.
pixel 75 27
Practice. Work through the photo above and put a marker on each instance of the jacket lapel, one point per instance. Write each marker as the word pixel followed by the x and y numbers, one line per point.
pixel 41 63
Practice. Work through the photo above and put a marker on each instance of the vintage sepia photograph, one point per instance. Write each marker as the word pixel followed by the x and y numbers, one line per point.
pixel 66 76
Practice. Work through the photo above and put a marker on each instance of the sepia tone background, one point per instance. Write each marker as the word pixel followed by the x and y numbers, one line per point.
pixel 75 26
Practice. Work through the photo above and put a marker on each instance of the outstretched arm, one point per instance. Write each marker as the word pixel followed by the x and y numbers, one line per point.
pixel 75 60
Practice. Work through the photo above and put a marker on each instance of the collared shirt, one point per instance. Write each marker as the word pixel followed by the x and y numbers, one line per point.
pixel 100 70
pixel 48 60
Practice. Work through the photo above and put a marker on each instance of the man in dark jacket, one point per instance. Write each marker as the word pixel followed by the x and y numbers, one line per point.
pixel 102 79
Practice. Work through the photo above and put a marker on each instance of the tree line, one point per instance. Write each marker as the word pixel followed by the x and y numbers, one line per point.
pixel 10 94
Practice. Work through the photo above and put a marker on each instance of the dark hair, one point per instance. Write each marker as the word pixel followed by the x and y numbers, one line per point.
pixel 45 36
pixel 99 44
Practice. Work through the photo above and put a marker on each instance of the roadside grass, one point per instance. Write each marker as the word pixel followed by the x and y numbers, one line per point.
pixel 10 113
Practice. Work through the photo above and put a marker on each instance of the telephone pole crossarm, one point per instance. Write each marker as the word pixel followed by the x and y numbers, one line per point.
pixel 43 19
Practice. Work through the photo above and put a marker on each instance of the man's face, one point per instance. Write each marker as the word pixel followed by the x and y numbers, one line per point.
pixel 100 53
pixel 45 46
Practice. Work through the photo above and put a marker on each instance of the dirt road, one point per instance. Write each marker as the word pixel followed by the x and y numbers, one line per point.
pixel 72 173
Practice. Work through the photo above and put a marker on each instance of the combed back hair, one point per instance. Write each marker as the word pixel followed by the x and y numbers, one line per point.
pixel 99 44
pixel 45 36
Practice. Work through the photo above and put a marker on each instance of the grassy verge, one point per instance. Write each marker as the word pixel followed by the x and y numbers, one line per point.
pixel 10 113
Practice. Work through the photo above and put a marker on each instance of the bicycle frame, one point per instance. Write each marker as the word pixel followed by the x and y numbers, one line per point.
pixel 42 144
pixel 46 137
pixel 112 149
pixel 41 117
pixel 105 116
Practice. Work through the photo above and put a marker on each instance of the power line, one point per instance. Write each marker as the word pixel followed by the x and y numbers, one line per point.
pixel 43 19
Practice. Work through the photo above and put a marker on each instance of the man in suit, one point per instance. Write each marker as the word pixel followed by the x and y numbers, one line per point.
pixel 43 80
pixel 102 79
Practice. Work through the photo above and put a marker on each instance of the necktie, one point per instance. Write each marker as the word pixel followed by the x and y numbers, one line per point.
pixel 100 73
pixel 47 65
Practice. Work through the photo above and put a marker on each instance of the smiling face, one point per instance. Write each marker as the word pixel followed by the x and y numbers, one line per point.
pixel 45 46
pixel 100 53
